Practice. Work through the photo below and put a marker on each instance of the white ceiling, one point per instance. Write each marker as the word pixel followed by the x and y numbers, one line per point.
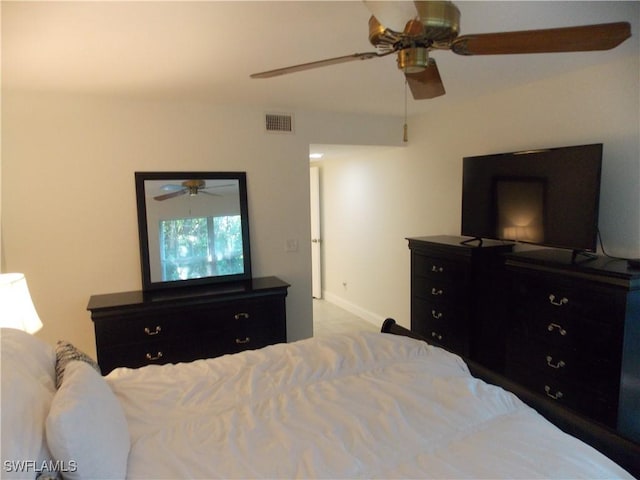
pixel 205 50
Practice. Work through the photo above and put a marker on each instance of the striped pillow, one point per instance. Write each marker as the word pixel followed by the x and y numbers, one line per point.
pixel 66 352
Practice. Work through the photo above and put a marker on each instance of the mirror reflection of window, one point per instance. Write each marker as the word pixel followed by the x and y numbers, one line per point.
pixel 200 247
pixel 520 209
pixel 195 229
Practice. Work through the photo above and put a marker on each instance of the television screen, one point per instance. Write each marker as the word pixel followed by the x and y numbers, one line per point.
pixel 546 197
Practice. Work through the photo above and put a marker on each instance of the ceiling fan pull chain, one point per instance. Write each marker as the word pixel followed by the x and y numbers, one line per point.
pixel 405 134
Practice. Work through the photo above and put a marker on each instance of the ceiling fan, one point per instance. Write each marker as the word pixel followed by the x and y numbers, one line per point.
pixel 192 187
pixel 413 29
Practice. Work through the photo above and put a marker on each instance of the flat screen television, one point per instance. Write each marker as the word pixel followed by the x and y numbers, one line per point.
pixel 546 197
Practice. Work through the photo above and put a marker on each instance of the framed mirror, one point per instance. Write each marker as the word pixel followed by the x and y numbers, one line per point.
pixel 193 228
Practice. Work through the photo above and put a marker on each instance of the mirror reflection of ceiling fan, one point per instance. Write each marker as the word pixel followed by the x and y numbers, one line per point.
pixel 413 29
pixel 191 187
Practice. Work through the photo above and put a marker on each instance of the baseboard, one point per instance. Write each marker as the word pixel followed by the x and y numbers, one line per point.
pixel 353 308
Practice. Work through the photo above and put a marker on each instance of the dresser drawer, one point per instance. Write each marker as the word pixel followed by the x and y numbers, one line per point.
pixel 560 299
pixel 426 311
pixel 438 290
pixel 157 352
pixel 237 338
pixel 601 406
pixel 443 335
pixel 576 365
pixel 227 339
pixel 440 268
pixel 169 323
pixel 139 328
pixel 442 324
pixel 568 332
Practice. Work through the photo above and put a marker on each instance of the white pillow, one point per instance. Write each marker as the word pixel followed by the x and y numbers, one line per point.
pixel 86 427
pixel 33 356
pixel 28 386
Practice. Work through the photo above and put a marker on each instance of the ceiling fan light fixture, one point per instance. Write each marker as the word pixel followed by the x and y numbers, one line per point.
pixel 413 60
pixel 393 14
pixel 380 36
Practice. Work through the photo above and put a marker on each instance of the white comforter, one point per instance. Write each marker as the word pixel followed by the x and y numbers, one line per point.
pixel 358 406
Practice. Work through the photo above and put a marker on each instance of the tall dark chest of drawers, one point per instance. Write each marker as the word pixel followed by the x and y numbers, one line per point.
pixel 453 288
pixel 574 334
pixel 138 328
pixel 568 331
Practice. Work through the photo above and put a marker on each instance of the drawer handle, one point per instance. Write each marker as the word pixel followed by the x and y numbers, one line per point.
pixel 241 341
pixel 240 315
pixel 154 357
pixel 436 335
pixel 556 365
pixel 556 396
pixel 148 331
pixel 436 315
pixel 436 291
pixel 435 268
pixel 552 326
pixel 557 303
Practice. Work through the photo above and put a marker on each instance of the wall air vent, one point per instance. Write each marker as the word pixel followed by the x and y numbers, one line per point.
pixel 279 122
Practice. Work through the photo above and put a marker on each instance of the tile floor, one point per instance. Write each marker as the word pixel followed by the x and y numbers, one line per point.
pixel 328 318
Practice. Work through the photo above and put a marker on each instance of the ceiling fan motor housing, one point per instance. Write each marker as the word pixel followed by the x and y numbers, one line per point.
pixel 193 186
pixel 440 20
pixel 435 24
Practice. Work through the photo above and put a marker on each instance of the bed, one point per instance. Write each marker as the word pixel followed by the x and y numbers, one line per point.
pixel 366 405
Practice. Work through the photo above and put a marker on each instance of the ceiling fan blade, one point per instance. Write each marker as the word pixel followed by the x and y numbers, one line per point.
pixel 569 39
pixel 217 186
pixel 317 64
pixel 393 15
pixel 171 187
pixel 167 196
pixel 426 84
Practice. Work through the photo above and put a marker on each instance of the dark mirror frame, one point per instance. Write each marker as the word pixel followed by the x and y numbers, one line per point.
pixel 148 283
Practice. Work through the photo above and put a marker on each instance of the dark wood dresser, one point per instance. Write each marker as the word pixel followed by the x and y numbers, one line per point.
pixel 139 328
pixel 574 334
pixel 567 331
pixel 453 296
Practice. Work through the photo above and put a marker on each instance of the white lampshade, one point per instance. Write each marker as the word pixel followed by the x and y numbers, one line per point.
pixel 16 308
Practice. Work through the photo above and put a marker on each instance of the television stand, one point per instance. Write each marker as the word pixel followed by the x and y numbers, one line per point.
pixel 573 333
pixel 564 330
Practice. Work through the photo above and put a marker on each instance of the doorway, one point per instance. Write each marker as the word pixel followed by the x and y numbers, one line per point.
pixel 316 238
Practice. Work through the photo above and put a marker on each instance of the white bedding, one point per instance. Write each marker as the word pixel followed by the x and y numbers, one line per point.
pixel 356 406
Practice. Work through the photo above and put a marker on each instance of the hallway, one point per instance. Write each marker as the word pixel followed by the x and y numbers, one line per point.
pixel 330 319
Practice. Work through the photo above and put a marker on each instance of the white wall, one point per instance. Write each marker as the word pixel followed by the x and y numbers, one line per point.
pixel 68 192
pixel 68 197
pixel 376 198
